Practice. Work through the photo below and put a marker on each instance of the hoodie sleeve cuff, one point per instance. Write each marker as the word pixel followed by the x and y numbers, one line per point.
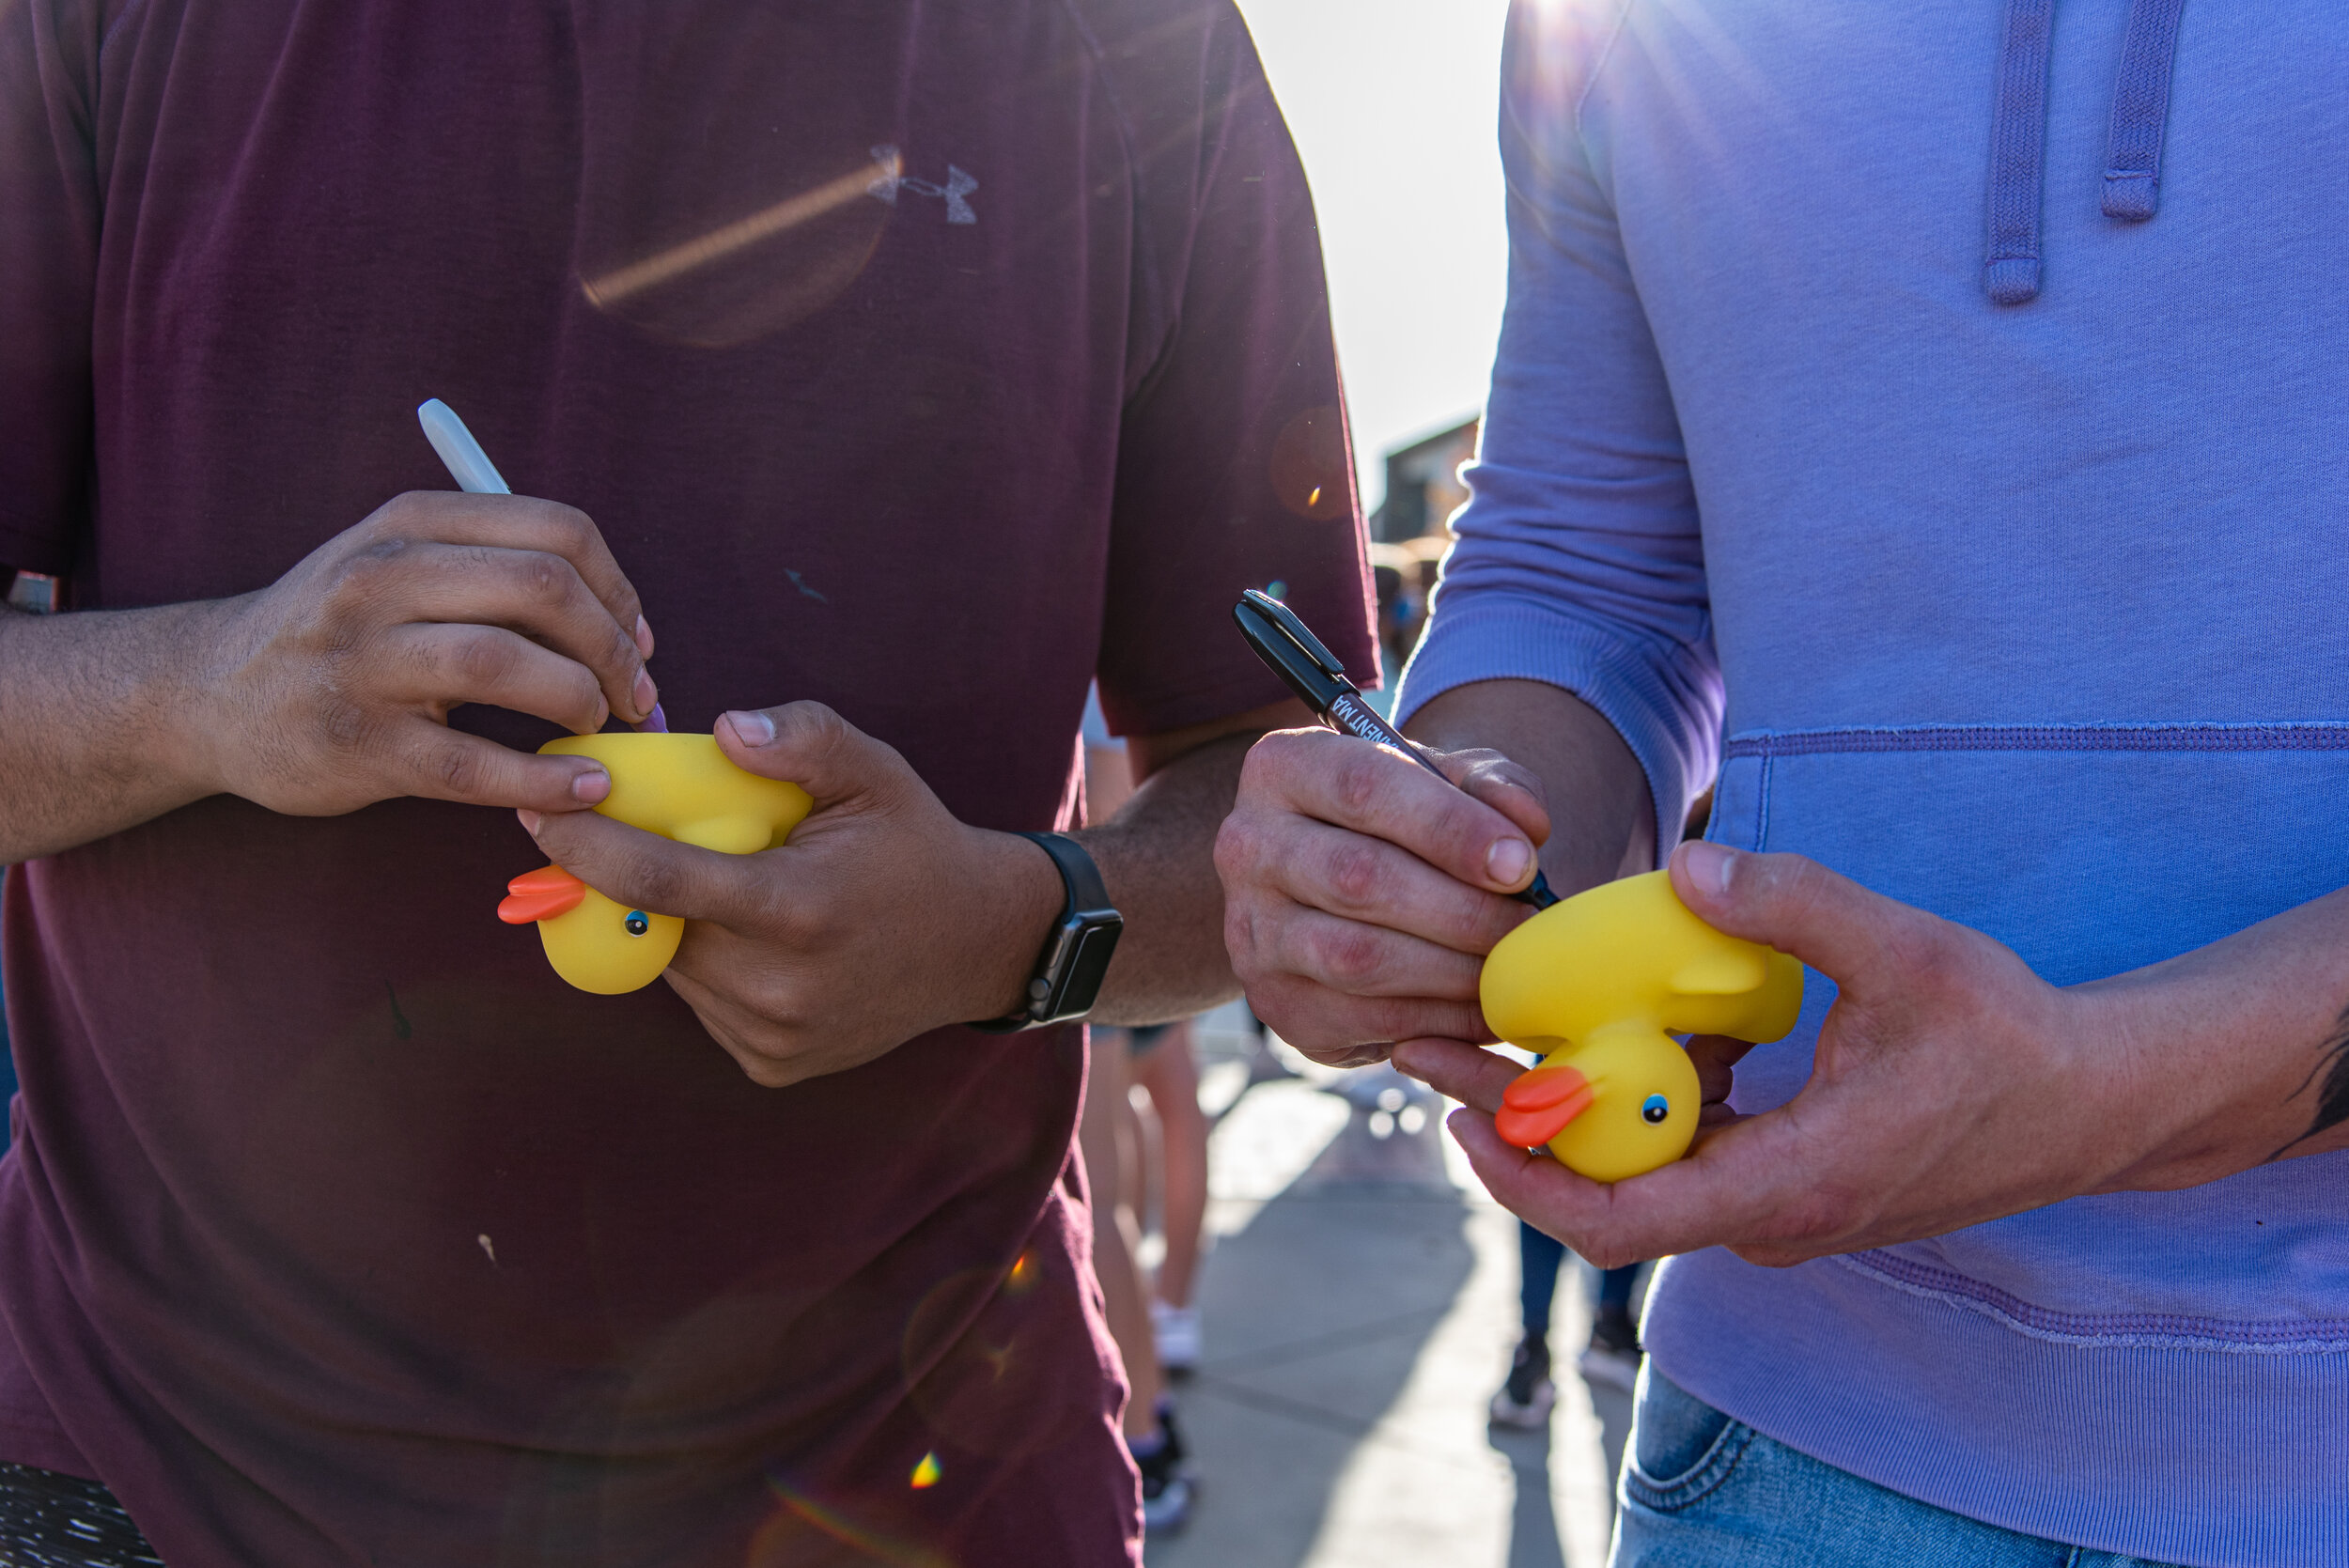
pixel 1665 701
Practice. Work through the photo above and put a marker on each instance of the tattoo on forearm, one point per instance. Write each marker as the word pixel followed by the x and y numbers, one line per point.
pixel 2330 1076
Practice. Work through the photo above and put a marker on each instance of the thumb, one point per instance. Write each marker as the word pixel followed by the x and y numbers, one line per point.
pixel 1510 788
pixel 809 745
pixel 1791 903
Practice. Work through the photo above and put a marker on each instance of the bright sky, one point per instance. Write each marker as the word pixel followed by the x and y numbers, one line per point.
pixel 1392 104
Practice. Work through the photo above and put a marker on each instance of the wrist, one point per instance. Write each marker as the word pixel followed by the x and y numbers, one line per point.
pixel 203 698
pixel 1020 902
pixel 2169 1122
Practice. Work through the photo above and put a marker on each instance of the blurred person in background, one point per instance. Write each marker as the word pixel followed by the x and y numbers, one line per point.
pixel 1106 1140
pixel 1387 584
pixel 1424 565
pixel 896 371
pixel 1405 576
pixel 1609 1361
pixel 1164 1063
pixel 1130 1163
pixel 1927 421
pixel 1150 1313
pixel 1151 1316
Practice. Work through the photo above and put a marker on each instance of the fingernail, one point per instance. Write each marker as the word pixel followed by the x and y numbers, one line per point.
pixel 1507 860
pixel 752 729
pixel 644 638
pixel 646 692
pixel 529 820
pixel 590 788
pixel 1709 866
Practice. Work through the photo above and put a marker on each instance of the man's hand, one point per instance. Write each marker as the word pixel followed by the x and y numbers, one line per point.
pixel 883 917
pixel 1950 1085
pixel 1361 893
pixel 331 688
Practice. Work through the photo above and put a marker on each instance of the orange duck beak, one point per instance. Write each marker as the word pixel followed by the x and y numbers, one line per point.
pixel 541 894
pixel 1536 1107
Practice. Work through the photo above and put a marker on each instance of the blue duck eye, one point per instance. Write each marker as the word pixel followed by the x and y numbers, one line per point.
pixel 1653 1110
pixel 637 923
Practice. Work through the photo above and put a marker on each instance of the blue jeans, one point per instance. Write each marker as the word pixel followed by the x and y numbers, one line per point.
pixel 1540 1255
pixel 1700 1490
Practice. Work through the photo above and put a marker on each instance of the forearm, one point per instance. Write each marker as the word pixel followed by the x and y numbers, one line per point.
pixel 2238 1051
pixel 1156 857
pixel 94 735
pixel 1601 818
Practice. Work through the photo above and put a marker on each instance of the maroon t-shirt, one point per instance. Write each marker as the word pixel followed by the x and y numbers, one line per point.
pixel 925 357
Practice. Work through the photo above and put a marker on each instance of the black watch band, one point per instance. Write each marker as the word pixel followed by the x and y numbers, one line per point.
pixel 1068 972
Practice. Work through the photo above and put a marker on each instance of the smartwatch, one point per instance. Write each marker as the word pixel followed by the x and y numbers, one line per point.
pixel 1068 972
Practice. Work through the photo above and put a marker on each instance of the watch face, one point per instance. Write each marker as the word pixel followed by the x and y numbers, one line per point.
pixel 1088 961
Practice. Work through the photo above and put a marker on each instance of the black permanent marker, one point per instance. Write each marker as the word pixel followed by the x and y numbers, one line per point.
pixel 1311 671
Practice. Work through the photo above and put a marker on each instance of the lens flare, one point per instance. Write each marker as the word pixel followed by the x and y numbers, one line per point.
pixel 1025 1274
pixel 926 1474
pixel 1311 467
pixel 611 289
pixel 803 1531
pixel 985 1357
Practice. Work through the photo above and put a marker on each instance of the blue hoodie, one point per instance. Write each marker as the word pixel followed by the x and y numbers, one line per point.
pixel 1931 417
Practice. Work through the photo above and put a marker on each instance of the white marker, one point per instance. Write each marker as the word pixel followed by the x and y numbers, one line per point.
pixel 476 474
pixel 468 464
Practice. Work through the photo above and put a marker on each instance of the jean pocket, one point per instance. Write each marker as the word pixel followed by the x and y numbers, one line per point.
pixel 1681 1448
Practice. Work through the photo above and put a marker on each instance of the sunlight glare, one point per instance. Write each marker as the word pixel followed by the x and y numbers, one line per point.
pixel 610 288
pixel 1393 106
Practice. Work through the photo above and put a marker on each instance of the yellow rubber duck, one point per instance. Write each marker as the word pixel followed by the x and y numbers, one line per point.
pixel 680 786
pixel 1599 984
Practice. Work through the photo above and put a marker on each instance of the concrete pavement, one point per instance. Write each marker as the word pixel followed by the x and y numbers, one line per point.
pixel 1359 1305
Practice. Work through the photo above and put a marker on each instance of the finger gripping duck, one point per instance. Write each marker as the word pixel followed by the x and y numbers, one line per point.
pixel 680 786
pixel 1599 984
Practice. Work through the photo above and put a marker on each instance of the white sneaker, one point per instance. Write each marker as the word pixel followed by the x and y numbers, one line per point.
pixel 1612 1358
pixel 1176 1331
pixel 1168 1487
pixel 1166 1507
pixel 1525 1400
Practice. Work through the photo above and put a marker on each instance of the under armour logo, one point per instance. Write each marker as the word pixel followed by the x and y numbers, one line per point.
pixel 956 192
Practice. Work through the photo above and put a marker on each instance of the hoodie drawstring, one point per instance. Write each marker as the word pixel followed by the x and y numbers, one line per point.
pixel 2141 110
pixel 2018 154
pixel 2018 136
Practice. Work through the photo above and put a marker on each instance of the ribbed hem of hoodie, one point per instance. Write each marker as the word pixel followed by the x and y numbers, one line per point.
pixel 2217 1457
pixel 1501 639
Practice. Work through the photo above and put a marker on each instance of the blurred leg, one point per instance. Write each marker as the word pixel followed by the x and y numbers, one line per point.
pixel 1540 1255
pixel 1614 1288
pixel 1525 1398
pixel 1114 1237
pixel 1612 1358
pixel 1170 1074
